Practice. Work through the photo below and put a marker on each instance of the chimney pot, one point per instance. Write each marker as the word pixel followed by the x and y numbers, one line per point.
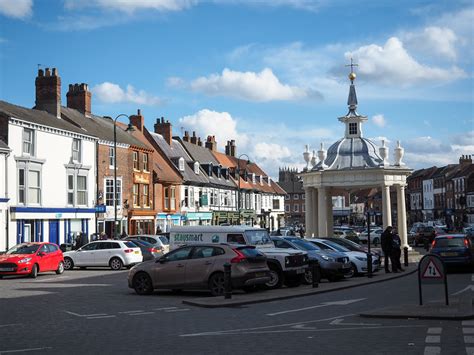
pixel 40 72
pixel 139 112
pixel 55 72
pixel 48 72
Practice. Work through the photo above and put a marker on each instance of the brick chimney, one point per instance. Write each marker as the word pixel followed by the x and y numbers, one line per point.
pixel 164 128
pixel 186 136
pixel 199 142
pixel 48 92
pixel 138 121
pixel 230 148
pixel 211 143
pixel 194 139
pixel 465 159
pixel 79 98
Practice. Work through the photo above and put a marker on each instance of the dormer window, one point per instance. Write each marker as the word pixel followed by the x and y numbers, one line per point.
pixel 352 128
pixel 181 164
pixel 253 178
pixel 219 172
pixel 196 168
pixel 209 169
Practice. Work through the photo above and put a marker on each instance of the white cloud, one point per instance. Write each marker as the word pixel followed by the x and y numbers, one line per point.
pixel 175 82
pixel 220 124
pixel 440 41
pixel 130 6
pixel 379 120
pixel 16 8
pixel 251 86
pixel 270 151
pixel 392 63
pixel 113 93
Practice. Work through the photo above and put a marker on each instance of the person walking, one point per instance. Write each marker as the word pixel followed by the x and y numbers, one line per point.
pixel 387 246
pixel 396 252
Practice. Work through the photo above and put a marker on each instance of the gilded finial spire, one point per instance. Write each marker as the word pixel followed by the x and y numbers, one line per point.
pixel 352 75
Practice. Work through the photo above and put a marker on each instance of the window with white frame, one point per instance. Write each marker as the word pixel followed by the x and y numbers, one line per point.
pixel 111 156
pixel 21 186
pixel 29 186
pixel 109 192
pixel 196 168
pixel 352 128
pixel 146 199
pixel 81 198
pixel 181 164
pixel 135 161
pixel 28 142
pixel 296 196
pixel 186 197
pixel 173 197
pixel 136 195
pixel 303 208
pixel 287 208
pixel 166 202
pixel 70 189
pixel 145 162
pixel 287 197
pixel 76 150
pixel 296 208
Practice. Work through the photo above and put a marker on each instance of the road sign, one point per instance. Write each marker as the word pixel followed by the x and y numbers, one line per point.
pixel 431 271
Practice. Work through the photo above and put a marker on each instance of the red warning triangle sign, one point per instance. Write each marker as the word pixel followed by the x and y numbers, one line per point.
pixel 431 271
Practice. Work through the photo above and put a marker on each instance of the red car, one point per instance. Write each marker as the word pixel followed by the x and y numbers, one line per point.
pixel 32 258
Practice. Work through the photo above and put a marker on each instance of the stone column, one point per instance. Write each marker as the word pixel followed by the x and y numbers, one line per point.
pixel 402 216
pixel 386 207
pixel 315 230
pixel 308 195
pixel 322 213
pixel 329 213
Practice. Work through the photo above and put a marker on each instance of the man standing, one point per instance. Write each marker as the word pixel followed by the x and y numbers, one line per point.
pixel 396 252
pixel 387 245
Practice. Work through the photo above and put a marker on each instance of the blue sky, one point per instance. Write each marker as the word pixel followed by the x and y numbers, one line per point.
pixel 270 74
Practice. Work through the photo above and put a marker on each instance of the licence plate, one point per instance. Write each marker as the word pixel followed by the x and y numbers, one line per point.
pixel 137 252
pixel 6 269
pixel 300 271
pixel 449 254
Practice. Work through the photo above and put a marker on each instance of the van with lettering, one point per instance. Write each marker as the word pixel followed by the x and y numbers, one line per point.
pixel 287 266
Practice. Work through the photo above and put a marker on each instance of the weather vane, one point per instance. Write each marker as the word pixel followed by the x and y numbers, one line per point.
pixel 352 75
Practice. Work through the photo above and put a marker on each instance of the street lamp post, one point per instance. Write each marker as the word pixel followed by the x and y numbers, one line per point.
pixel 238 172
pixel 129 129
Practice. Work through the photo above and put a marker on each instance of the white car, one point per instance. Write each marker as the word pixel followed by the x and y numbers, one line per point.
pixel 375 236
pixel 358 259
pixel 113 253
pixel 158 241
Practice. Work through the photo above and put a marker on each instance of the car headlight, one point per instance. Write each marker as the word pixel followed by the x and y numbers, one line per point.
pixel 361 258
pixel 24 260
pixel 327 258
pixel 287 261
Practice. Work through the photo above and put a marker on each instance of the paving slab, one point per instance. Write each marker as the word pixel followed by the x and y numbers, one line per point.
pixel 240 299
pixel 459 308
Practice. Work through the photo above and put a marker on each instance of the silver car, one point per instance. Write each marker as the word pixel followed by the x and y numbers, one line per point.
pixel 201 267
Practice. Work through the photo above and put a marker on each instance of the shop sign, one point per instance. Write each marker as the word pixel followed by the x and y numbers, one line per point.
pixel 141 178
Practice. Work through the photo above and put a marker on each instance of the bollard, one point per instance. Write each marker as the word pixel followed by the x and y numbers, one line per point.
pixel 227 281
pixel 369 265
pixel 405 256
pixel 315 272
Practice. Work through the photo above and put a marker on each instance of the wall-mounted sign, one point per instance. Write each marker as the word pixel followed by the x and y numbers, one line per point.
pixel 141 178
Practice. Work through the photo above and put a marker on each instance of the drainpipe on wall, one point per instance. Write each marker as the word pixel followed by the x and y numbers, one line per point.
pixel 7 229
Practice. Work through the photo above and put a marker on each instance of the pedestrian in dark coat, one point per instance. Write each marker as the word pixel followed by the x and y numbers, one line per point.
pixel 396 253
pixel 387 246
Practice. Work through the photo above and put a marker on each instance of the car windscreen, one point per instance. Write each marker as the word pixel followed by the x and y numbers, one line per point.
pixel 449 243
pixel 130 244
pixel 346 244
pixel 24 249
pixel 164 240
pixel 303 244
pixel 259 237
pixel 336 246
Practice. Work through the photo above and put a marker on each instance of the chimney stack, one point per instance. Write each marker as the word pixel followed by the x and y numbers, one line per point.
pixel 194 138
pixel 465 159
pixel 211 143
pixel 79 98
pixel 199 142
pixel 230 148
pixel 48 92
pixel 186 136
pixel 138 120
pixel 165 129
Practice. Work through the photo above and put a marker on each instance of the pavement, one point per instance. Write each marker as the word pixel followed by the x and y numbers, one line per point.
pixel 240 298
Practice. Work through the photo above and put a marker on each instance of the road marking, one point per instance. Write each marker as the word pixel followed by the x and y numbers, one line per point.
pixel 140 314
pixel 100 317
pixel 86 315
pixel 324 304
pixel 127 312
pixel 469 351
pixel 468 322
pixel 432 350
pixel 163 308
pixel 433 339
pixel 10 325
pixel 468 330
pixel 468 339
pixel 435 330
pixel 177 310
pixel 21 350
pixel 340 320
pixel 467 288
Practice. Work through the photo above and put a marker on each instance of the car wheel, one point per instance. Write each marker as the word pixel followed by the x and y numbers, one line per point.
pixel 68 264
pixel 276 278
pixel 34 272
pixel 216 284
pixel 308 277
pixel 294 281
pixel 352 272
pixel 142 284
pixel 60 268
pixel 376 241
pixel 116 264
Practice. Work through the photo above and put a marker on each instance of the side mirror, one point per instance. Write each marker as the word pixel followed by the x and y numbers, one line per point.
pixel 161 260
pixel 41 254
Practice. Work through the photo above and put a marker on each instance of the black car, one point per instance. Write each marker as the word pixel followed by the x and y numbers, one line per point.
pixel 454 249
pixel 146 249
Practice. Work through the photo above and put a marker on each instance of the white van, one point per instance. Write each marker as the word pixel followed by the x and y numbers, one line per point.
pixel 286 265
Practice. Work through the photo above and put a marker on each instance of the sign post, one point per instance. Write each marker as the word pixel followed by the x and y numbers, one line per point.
pixel 431 270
